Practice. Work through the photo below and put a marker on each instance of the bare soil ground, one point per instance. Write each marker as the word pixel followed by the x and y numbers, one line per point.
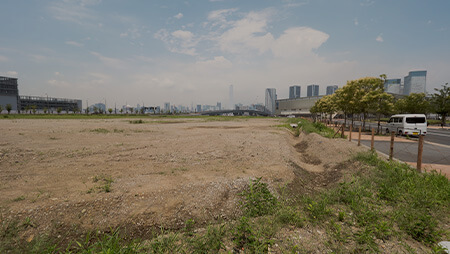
pixel 79 175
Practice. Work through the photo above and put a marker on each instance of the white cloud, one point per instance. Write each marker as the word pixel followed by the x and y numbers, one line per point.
pixel 38 58
pixel 3 58
pixel 298 41
pixel 179 41
pixel 249 33
pixel 74 43
pixel 59 83
pixel 109 61
pixel 219 62
pixel 178 16
pixel 133 33
pixel 219 17
pixel 380 38
pixel 76 11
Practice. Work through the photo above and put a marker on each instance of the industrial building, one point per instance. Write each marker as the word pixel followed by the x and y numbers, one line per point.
pixel 298 107
pixel 9 94
pixel 49 103
pixel 415 82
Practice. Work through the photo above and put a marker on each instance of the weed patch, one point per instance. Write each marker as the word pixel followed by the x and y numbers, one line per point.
pixel 258 200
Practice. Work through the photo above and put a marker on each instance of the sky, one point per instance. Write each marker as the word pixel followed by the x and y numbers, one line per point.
pixel 190 52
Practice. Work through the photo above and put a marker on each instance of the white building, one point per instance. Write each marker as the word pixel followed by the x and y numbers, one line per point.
pixel 271 97
pixel 392 86
pixel 415 82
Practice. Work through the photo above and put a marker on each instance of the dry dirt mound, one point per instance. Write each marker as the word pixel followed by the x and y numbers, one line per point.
pixel 70 176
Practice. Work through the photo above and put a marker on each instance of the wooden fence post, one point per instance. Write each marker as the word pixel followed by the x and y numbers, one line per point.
pixel 343 131
pixel 391 151
pixel 359 136
pixel 419 154
pixel 372 143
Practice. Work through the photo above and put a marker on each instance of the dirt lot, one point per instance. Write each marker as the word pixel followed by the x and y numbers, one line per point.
pixel 95 174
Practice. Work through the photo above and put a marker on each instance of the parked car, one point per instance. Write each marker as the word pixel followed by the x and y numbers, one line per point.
pixel 407 124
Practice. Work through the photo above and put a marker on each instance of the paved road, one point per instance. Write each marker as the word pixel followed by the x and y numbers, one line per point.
pixel 407 151
pixel 436 149
pixel 434 135
pixel 439 136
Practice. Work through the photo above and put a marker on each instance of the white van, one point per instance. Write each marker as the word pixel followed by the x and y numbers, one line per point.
pixel 407 124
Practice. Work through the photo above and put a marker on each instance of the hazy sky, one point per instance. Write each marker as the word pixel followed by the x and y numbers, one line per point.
pixel 187 52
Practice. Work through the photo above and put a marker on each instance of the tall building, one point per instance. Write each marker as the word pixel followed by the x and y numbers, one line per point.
pixel 167 107
pixel 415 82
pixel 392 86
pixel 271 97
pixel 294 92
pixel 9 92
pixel 219 106
pixel 330 90
pixel 231 106
pixel 312 90
pixel 199 108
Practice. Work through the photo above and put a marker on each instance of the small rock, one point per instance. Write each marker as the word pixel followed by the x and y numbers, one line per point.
pixel 83 211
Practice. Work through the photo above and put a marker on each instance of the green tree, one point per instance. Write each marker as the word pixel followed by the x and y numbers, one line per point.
pixel 34 108
pixel 8 108
pixel 58 110
pixel 326 106
pixel 45 110
pixel 369 91
pixel 1 109
pixel 110 110
pixel 121 110
pixel 381 104
pixel 415 103
pixel 440 102
pixel 346 101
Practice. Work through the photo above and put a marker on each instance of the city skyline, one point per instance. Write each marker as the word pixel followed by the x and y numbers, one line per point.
pixel 189 52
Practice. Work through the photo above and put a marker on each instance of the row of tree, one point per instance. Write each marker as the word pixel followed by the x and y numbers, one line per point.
pixel 366 96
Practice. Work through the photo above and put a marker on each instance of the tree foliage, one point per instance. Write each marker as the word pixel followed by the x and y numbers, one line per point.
pixel 8 108
pixel 440 102
pixel 414 103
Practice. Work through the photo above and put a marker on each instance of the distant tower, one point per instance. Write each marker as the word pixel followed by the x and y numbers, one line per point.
pixel 294 92
pixel 331 89
pixel 271 97
pixel 231 98
pixel 312 90
pixel 219 106
pixel 167 107
pixel 415 82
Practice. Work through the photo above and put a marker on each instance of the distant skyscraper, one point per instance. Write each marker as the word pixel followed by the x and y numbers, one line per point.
pixel 231 106
pixel 392 86
pixel 294 92
pixel 199 108
pixel 330 89
pixel 166 107
pixel 415 82
pixel 219 106
pixel 312 90
pixel 271 97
